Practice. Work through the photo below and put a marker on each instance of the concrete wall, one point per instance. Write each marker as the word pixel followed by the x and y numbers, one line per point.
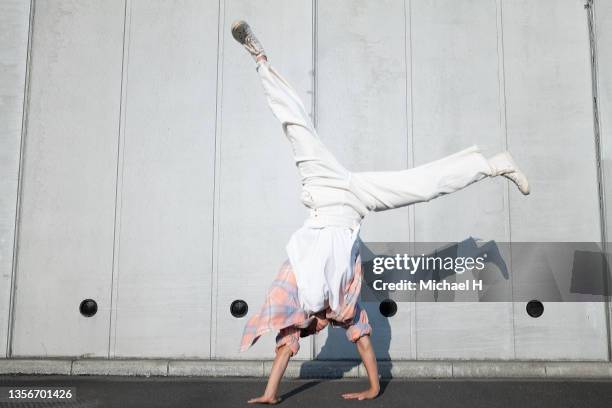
pixel 603 36
pixel 156 181
pixel 14 19
pixel 69 178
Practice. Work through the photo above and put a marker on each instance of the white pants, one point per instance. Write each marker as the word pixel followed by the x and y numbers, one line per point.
pixel 324 250
pixel 328 185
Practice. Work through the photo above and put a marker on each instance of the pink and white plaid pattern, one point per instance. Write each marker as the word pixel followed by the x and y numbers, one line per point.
pixel 281 311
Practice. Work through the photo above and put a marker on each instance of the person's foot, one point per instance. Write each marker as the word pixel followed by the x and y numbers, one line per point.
pixel 242 32
pixel 502 164
pixel 264 400
pixel 370 393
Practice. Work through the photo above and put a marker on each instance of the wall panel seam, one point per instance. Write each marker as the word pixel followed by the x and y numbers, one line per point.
pixel 592 30
pixel 501 61
pixel 411 159
pixel 20 170
pixel 114 296
pixel 313 110
pixel 409 149
pixel 214 279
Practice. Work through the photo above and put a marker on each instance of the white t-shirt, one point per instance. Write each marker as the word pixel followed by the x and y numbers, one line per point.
pixel 323 253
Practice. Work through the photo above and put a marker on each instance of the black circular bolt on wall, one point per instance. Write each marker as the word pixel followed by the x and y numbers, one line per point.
pixel 387 308
pixel 88 307
pixel 239 308
pixel 535 308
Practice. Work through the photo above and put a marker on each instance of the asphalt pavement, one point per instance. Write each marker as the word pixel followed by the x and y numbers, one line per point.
pixel 151 392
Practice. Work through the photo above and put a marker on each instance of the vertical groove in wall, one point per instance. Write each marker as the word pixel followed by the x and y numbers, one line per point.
pixel 503 116
pixel 214 281
pixel 410 82
pixel 22 142
pixel 598 159
pixel 114 296
pixel 409 68
pixel 409 150
pixel 315 49
pixel 315 94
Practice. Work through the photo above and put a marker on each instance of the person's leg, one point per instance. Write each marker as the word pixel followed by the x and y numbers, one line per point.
pixel 312 157
pixel 384 190
pixel 287 345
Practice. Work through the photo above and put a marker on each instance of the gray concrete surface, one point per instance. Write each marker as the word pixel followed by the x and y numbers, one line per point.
pixel 14 19
pixel 139 193
pixel 310 369
pixel 95 391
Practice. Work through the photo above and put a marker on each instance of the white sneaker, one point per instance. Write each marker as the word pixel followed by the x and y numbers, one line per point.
pixel 241 31
pixel 502 164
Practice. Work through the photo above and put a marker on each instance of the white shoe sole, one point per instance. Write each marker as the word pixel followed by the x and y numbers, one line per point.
pixel 517 176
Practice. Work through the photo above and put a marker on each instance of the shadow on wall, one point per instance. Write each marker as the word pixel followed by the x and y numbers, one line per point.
pixel 586 266
pixel 337 344
pixel 337 347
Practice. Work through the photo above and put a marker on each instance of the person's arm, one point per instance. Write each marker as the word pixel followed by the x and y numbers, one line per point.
pixel 279 366
pixel 366 351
